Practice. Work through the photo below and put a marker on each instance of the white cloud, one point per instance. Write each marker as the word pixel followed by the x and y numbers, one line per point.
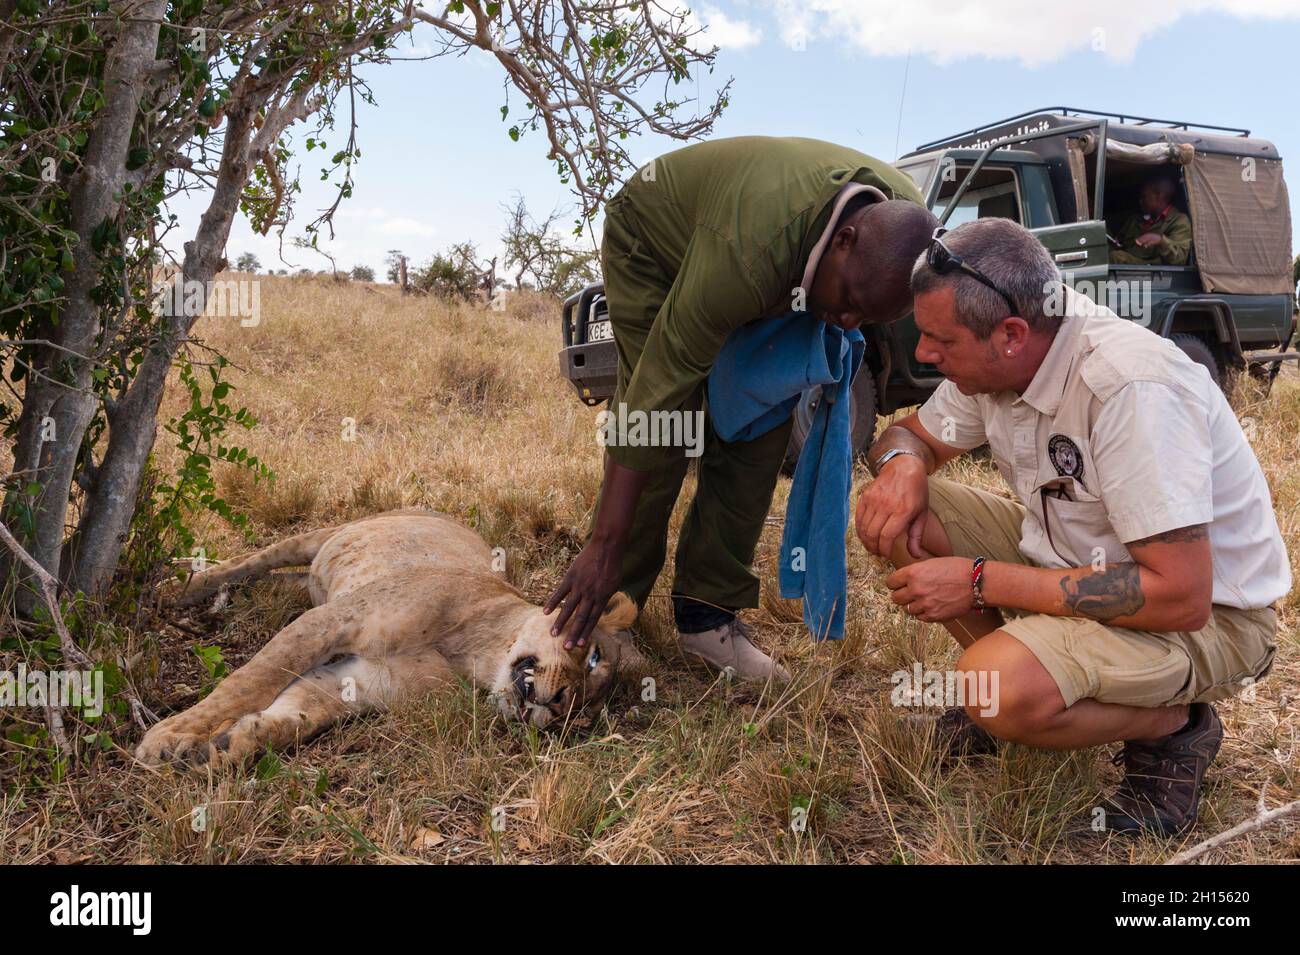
pixel 397 225
pixel 360 213
pixel 1030 31
pixel 720 29
pixel 728 33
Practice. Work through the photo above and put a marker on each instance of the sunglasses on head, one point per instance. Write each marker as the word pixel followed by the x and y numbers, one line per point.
pixel 944 262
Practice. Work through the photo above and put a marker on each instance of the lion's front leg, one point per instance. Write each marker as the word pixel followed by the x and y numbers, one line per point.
pixel 313 638
pixel 326 695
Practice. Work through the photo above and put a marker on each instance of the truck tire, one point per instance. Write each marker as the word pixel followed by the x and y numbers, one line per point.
pixel 1199 352
pixel 862 417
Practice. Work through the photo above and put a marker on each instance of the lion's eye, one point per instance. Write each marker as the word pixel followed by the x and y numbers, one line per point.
pixel 593 659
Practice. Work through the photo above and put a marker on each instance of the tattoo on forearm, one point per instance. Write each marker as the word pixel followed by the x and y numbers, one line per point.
pixel 1179 535
pixel 1105 595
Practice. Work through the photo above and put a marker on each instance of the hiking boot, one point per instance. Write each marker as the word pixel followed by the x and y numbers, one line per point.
pixel 961 736
pixel 957 736
pixel 729 648
pixel 1162 778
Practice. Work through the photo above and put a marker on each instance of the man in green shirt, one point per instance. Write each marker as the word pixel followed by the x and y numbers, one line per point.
pixel 696 244
pixel 1158 234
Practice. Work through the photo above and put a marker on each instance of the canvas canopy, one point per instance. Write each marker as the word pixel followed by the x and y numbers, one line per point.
pixel 1241 218
pixel 1241 223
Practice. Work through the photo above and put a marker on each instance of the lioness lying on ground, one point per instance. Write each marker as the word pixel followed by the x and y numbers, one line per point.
pixel 403 601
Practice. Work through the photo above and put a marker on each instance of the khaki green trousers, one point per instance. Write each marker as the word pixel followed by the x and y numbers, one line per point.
pixel 734 485
pixel 735 480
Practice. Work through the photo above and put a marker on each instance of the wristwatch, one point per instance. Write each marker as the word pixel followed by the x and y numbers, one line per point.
pixel 889 456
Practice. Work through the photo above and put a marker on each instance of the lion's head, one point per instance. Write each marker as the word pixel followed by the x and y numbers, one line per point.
pixel 543 683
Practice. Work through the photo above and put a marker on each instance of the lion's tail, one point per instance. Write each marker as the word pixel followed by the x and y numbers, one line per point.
pixel 293 552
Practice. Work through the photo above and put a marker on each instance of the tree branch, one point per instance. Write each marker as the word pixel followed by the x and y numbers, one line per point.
pixel 1261 819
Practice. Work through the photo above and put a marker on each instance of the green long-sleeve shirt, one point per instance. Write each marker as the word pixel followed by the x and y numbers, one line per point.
pixel 1175 231
pixel 707 239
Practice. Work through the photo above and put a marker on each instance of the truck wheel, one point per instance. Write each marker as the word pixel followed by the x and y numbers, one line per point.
pixel 1199 352
pixel 862 418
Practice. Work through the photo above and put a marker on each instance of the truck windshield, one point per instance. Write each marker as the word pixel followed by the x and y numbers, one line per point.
pixel 920 173
pixel 992 195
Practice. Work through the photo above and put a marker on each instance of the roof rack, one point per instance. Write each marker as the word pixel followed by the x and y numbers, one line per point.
pixel 1126 119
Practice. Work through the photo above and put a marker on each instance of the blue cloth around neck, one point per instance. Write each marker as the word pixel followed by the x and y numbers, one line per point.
pixel 756 381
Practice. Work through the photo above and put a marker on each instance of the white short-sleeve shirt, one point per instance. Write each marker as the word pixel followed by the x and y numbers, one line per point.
pixel 1119 437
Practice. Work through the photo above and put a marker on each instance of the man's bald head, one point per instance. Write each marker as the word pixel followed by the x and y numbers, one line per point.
pixel 864 276
pixel 896 232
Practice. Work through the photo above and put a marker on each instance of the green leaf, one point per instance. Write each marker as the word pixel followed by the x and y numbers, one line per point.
pixel 269 766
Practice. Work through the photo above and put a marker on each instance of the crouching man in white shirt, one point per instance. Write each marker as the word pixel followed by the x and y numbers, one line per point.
pixel 1134 577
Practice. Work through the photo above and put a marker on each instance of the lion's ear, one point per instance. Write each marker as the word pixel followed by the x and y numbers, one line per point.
pixel 620 613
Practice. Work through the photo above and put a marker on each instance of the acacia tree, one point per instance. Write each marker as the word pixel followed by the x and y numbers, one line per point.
pixel 538 253
pixel 455 274
pixel 143 98
pixel 108 109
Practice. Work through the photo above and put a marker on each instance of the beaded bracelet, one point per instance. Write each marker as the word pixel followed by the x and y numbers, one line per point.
pixel 977 583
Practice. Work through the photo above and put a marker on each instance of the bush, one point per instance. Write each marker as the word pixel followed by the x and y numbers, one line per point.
pixel 455 274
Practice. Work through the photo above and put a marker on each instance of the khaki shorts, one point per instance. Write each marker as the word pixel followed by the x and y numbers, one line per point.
pixel 1089 660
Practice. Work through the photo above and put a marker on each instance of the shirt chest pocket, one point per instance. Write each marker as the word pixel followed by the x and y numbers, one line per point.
pixel 1075 523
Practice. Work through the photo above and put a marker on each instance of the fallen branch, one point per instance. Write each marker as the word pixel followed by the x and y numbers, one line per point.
pixel 71 652
pixel 1258 822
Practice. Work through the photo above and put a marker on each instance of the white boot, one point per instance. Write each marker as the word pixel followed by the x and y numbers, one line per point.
pixel 729 648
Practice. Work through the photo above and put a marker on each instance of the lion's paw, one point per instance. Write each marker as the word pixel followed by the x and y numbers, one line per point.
pixel 168 745
pixel 248 736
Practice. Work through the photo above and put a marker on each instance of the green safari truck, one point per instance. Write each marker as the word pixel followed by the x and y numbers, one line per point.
pixel 1071 177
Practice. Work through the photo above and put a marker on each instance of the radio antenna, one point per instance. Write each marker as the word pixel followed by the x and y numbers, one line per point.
pixel 901 97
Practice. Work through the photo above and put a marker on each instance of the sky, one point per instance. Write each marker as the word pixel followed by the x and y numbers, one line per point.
pixel 438 164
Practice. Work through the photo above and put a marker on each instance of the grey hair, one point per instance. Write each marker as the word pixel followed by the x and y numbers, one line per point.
pixel 1011 258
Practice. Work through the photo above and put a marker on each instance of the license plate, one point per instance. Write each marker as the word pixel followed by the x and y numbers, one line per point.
pixel 600 332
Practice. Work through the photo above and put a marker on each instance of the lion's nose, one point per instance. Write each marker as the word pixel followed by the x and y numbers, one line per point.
pixel 557 698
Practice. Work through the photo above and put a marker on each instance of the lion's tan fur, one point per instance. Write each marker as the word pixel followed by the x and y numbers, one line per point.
pixel 402 602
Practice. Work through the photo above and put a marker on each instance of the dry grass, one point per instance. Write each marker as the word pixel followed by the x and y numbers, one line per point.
pixel 462 410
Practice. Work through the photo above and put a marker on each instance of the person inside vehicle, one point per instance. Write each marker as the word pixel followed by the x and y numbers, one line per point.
pixel 700 242
pixel 1134 577
pixel 1158 233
